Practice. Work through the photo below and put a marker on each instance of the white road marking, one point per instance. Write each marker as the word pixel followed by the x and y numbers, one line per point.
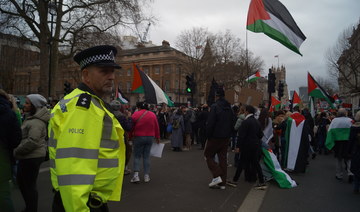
pixel 253 201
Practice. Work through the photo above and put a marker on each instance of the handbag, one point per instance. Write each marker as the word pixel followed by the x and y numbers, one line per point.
pixel 169 128
pixel 131 135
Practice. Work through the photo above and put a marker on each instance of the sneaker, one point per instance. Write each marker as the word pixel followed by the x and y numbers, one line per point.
pixel 338 178
pixel 231 183
pixel 215 181
pixel 135 179
pixel 146 178
pixel 218 187
pixel 260 186
pixel 127 171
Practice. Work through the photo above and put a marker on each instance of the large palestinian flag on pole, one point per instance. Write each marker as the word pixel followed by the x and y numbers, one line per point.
pixel 339 130
pixel 297 143
pixel 273 166
pixel 144 84
pixel 315 90
pixel 272 18
pixel 253 77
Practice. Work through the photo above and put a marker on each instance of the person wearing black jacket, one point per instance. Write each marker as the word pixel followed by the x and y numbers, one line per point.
pixel 219 127
pixel 249 144
pixel 10 137
pixel 201 121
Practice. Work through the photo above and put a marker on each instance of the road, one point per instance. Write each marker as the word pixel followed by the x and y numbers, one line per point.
pixel 179 182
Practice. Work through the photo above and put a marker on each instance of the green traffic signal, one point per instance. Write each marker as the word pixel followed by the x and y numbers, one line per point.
pixel 188 90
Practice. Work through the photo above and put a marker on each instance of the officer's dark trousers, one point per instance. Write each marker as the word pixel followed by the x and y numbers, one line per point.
pixel 27 174
pixel 57 205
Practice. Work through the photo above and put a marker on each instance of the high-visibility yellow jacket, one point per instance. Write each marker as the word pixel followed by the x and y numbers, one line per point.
pixel 86 149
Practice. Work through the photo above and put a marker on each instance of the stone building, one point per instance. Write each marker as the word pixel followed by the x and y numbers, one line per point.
pixel 163 64
pixel 349 66
pixel 18 59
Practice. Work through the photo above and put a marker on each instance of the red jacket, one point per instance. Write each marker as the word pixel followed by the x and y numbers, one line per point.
pixel 147 126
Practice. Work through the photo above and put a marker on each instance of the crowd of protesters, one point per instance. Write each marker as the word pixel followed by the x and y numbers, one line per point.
pixel 249 129
pixel 217 130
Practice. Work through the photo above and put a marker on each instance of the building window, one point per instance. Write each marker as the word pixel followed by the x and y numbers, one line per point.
pixel 176 86
pixel 167 69
pixel 129 72
pixel 157 69
pixel 167 85
pixel 178 69
pixel 146 70
pixel 128 86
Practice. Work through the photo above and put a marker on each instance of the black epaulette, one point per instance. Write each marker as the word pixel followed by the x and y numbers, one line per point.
pixel 84 100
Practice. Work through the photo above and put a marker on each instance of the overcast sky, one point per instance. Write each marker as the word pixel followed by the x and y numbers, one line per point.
pixel 321 21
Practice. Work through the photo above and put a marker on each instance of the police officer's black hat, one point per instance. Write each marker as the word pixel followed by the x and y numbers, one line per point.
pixel 103 56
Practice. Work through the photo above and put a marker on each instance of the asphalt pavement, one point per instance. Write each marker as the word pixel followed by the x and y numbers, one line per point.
pixel 179 182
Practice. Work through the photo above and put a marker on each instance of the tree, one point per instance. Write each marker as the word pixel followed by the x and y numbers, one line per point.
pixel 220 56
pixel 195 44
pixel 62 25
pixel 328 85
pixel 343 60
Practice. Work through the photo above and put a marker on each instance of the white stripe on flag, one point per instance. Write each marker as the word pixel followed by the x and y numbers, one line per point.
pixel 294 143
pixel 160 96
pixel 281 173
pixel 278 25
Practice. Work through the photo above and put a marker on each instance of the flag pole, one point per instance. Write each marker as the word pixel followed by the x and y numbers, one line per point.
pixel 247 55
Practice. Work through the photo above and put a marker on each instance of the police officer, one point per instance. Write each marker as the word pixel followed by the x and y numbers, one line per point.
pixel 86 145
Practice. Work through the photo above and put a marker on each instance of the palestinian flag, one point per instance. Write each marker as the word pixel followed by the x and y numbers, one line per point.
pixel 273 165
pixel 275 104
pixel 272 18
pixel 296 99
pixel 120 97
pixel 297 143
pixel 315 90
pixel 339 130
pixel 253 77
pixel 144 84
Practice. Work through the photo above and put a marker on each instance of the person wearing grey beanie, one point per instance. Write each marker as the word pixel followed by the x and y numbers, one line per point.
pixel 37 100
pixel 32 149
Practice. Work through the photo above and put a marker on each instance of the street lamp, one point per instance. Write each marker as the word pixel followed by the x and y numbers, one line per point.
pixel 52 10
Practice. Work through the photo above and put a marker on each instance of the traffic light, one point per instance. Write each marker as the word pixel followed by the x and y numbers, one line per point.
pixel 271 82
pixel 67 88
pixel 281 89
pixel 190 84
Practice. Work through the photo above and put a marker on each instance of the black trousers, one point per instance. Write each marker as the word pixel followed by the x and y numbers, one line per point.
pixel 27 174
pixel 58 206
pixel 250 160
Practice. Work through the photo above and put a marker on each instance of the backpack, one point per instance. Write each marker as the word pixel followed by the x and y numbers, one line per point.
pixel 176 124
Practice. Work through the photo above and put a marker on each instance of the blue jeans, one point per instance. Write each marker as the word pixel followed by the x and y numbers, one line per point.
pixel 142 146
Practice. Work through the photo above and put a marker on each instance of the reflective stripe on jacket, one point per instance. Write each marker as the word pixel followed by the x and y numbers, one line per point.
pixel 87 151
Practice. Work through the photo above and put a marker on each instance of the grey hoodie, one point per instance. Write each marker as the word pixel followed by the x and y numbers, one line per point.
pixel 34 132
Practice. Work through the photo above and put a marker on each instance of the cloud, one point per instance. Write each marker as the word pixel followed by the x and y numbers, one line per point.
pixel 321 21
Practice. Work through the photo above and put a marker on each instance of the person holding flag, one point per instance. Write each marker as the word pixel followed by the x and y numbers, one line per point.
pixel 338 139
pixel 297 142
